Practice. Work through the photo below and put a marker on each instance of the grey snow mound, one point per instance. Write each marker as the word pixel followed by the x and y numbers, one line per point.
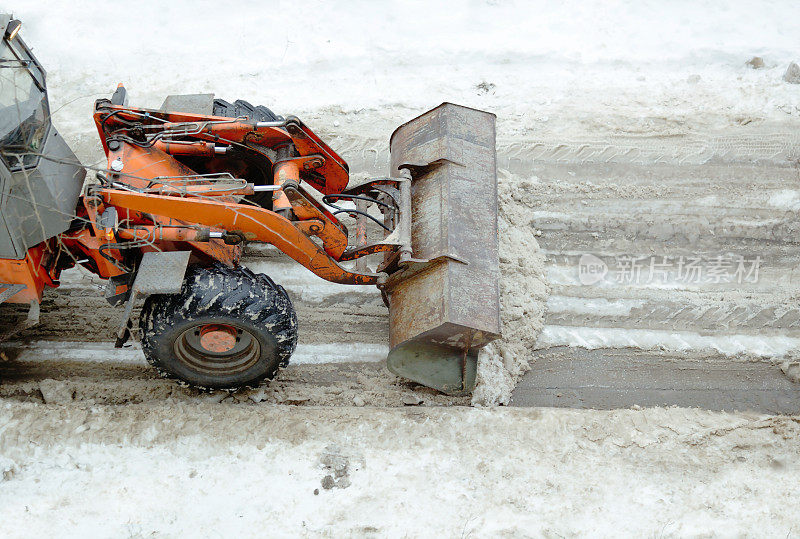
pixel 523 297
pixel 792 75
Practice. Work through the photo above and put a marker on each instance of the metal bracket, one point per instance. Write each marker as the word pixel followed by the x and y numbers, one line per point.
pixel 10 290
pixel 158 273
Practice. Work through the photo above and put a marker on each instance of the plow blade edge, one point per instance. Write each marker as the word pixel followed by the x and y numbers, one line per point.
pixel 445 305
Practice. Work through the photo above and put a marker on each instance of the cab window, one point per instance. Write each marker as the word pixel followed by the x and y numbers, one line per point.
pixel 24 113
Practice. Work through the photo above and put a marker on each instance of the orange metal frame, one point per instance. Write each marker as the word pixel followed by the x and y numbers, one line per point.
pixel 163 204
pixel 34 271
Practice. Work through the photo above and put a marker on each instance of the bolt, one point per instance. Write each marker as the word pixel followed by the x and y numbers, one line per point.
pixel 314 163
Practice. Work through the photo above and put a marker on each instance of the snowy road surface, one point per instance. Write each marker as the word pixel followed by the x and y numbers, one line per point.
pixel 703 276
pixel 200 469
pixel 633 142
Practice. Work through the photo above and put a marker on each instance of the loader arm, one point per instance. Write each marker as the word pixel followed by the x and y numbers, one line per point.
pixel 254 223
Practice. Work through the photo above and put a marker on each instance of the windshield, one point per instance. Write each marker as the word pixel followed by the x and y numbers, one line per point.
pixel 23 108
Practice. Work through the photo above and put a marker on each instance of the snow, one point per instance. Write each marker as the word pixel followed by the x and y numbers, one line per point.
pixel 303 284
pixel 786 199
pixel 597 306
pixel 729 345
pixel 200 470
pixel 339 352
pixel 626 67
pixel 99 352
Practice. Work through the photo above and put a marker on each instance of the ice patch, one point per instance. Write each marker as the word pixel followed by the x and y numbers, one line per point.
pixel 104 352
pixel 786 199
pixel 307 354
pixel 591 338
pixel 80 352
pixel 593 306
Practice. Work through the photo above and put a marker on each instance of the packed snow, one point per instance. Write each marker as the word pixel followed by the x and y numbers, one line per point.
pixel 770 346
pixel 568 68
pixel 203 469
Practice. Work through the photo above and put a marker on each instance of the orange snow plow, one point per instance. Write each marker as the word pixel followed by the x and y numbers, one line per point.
pixel 186 186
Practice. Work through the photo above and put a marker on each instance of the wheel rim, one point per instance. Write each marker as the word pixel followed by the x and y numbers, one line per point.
pixel 217 348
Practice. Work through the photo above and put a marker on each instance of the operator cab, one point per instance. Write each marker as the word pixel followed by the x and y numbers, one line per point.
pixel 24 114
pixel 40 177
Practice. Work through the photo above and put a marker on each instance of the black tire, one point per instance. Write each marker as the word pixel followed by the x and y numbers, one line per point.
pixel 240 108
pixel 243 310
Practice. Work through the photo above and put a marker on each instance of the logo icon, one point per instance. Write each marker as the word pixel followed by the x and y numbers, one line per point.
pixel 591 269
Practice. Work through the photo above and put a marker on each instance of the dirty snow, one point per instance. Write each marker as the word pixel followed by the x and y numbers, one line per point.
pixel 203 469
pixel 523 293
pixel 635 67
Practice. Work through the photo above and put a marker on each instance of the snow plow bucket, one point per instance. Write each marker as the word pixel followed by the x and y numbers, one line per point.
pixel 444 305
